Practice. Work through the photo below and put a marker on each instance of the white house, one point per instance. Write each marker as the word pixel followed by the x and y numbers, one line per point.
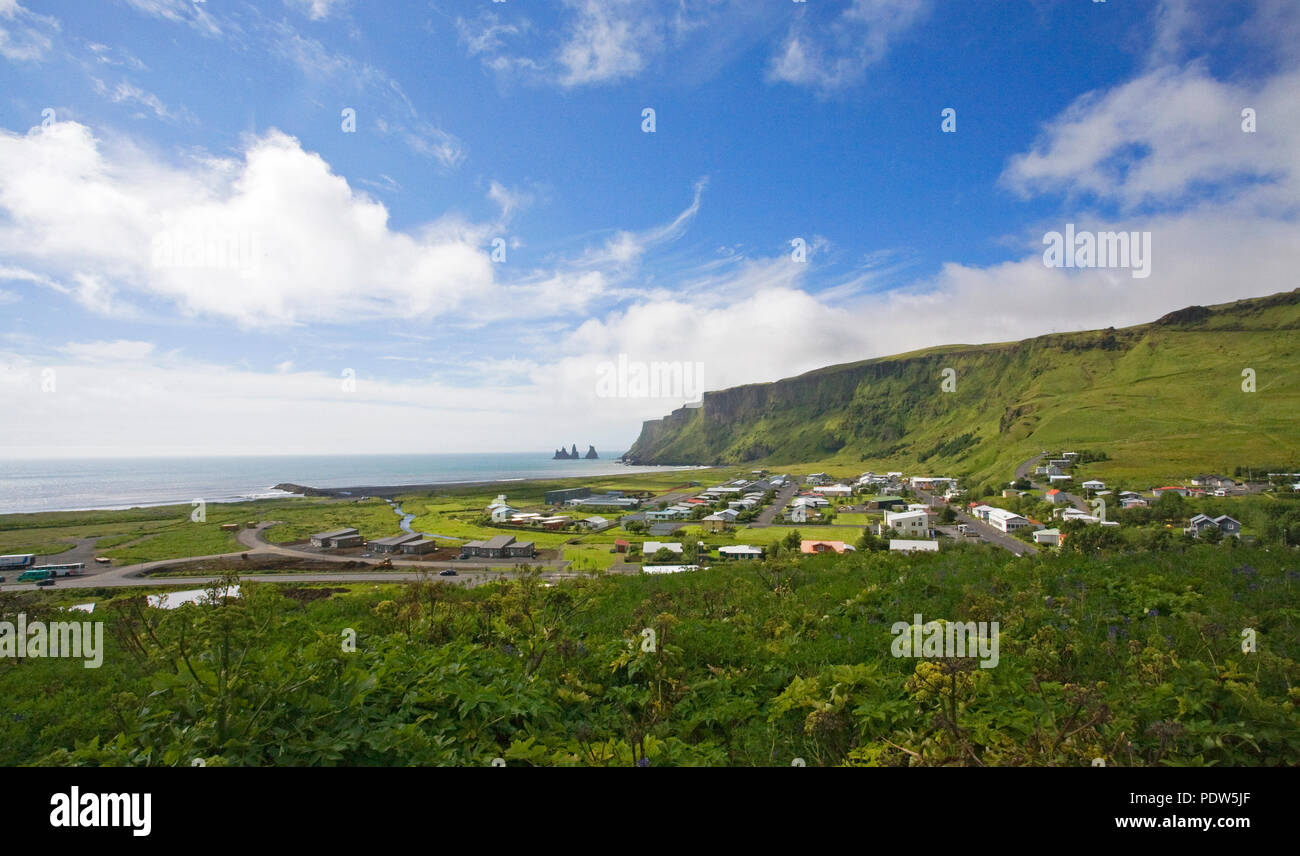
pixel 1061 479
pixel 908 522
pixel 834 490
pixel 1007 521
pixel 502 513
pixel 902 545
pixel 1094 484
pixel 1051 537
pixel 740 551
pixel 649 548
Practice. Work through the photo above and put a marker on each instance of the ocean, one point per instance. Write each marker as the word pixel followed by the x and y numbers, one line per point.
pixel 81 484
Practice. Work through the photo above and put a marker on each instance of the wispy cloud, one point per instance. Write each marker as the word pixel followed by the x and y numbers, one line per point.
pixel 24 34
pixel 837 55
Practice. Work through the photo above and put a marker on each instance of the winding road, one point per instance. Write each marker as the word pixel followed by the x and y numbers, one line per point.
pixel 469 573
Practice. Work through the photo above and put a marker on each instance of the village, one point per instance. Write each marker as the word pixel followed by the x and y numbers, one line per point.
pixel 758 515
pixel 655 525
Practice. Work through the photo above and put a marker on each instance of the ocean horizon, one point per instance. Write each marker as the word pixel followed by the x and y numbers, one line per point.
pixel 84 484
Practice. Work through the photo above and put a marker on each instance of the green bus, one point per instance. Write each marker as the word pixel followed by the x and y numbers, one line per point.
pixel 33 576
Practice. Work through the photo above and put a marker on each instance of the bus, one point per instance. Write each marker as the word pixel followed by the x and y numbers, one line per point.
pixel 35 575
pixel 67 570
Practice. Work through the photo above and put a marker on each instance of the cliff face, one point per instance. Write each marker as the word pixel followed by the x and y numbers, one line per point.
pixel 969 406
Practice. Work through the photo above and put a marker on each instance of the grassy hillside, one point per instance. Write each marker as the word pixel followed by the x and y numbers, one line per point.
pixel 1163 400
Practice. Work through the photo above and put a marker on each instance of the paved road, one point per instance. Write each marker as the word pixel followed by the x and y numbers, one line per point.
pixel 986 532
pixel 1023 472
pixel 783 497
pixel 137 575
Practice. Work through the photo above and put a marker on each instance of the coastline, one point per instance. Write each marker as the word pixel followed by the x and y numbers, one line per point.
pixel 389 491
pixel 283 490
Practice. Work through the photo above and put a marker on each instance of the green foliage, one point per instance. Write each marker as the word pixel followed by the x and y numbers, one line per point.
pixel 1134 657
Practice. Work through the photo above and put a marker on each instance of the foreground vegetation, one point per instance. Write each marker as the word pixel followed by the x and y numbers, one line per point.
pixel 1133 657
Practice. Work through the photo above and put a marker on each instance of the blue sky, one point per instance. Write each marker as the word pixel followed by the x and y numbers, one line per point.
pixel 368 254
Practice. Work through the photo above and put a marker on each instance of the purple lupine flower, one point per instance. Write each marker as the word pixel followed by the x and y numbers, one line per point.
pixel 1153 612
pixel 643 762
pixel 1110 632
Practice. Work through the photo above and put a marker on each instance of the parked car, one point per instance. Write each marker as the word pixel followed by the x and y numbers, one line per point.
pixel 447 572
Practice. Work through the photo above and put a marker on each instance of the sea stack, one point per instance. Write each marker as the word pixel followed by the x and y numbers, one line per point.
pixel 591 453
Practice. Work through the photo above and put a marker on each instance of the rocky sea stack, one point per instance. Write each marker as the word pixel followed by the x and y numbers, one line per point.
pixel 562 455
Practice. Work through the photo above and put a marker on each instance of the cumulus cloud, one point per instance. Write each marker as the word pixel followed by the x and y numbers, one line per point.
pixel 272 238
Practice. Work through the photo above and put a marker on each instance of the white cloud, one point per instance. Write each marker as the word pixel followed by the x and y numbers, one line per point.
pixel 1166 137
pixel 179 12
pixel 25 42
pixel 625 248
pixel 389 109
pixel 129 93
pixel 273 238
pixel 319 10
pixel 510 200
pixel 608 41
pixel 835 56
pixel 119 351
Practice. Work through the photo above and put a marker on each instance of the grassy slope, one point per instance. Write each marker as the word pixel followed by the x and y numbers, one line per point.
pixel 1164 400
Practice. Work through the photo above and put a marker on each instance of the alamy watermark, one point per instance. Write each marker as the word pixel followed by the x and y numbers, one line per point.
pixel 130 810
pixel 207 248
pixel 1130 250
pixel 946 639
pixel 627 378
pixel 76 640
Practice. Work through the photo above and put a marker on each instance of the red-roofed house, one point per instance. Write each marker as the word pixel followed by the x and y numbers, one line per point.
pixel 811 547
